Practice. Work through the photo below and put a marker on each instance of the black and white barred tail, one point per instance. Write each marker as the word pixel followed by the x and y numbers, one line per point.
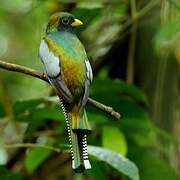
pixel 81 143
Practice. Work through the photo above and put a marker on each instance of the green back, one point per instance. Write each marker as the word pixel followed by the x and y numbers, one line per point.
pixel 70 44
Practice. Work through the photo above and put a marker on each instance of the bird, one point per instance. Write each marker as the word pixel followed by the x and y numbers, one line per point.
pixel 70 73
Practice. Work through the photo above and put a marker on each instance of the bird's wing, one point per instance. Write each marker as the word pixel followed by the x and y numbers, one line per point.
pixel 52 67
pixel 89 78
pixel 89 71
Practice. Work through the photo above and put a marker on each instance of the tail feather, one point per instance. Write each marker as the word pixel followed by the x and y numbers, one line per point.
pixel 78 141
pixel 76 158
pixel 80 161
pixel 79 121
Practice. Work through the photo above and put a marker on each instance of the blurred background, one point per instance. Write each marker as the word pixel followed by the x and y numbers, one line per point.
pixel 134 49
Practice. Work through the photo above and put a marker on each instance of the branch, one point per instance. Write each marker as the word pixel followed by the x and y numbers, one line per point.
pixel 42 76
pixel 102 107
pixel 30 145
pixel 132 45
pixel 24 70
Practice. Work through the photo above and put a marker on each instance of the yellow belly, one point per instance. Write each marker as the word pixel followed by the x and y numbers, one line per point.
pixel 74 70
pixel 74 73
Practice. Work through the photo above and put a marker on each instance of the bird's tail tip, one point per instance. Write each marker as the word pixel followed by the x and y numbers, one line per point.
pixel 82 167
pixel 87 164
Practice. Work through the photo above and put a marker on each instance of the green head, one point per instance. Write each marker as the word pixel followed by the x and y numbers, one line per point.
pixel 62 21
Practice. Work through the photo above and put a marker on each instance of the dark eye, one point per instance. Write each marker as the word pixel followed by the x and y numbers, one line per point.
pixel 65 21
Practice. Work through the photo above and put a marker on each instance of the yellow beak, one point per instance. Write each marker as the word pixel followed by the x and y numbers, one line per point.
pixel 76 22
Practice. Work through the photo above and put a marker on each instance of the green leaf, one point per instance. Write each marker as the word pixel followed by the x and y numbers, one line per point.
pixel 5 174
pixel 152 167
pixel 114 139
pixel 36 157
pixel 167 37
pixel 118 88
pixel 37 109
pixel 48 113
pixel 96 172
pixel 94 116
pixel 115 160
pixel 23 105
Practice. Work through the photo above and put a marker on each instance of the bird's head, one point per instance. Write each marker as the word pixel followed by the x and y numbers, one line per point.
pixel 62 21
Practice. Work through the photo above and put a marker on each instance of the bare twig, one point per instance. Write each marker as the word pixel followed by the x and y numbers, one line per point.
pixel 102 107
pixel 132 45
pixel 29 145
pixel 42 76
pixel 22 69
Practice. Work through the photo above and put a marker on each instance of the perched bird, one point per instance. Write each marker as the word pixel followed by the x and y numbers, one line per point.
pixel 69 71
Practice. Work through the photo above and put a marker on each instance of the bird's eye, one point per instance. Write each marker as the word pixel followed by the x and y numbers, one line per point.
pixel 65 21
